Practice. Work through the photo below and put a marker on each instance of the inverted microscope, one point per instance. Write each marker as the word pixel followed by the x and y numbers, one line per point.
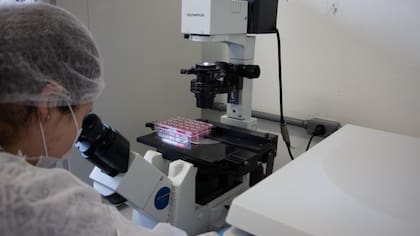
pixel 196 167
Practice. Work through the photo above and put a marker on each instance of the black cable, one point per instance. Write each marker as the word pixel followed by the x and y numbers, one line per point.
pixel 280 76
pixel 283 127
pixel 309 143
pixel 290 153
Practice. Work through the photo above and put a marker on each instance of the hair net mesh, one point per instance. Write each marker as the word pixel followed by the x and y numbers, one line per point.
pixel 47 56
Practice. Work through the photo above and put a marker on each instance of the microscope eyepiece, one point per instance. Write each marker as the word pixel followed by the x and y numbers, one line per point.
pixel 103 146
pixel 93 128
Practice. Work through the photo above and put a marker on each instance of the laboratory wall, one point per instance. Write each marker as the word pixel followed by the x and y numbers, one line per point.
pixel 351 61
pixel 143 51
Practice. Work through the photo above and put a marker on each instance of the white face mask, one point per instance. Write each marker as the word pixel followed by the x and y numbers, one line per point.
pixel 48 162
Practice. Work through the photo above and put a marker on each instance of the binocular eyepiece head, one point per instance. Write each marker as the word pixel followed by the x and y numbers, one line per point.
pixel 104 146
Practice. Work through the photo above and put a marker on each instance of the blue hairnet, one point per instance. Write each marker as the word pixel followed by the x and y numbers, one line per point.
pixel 43 46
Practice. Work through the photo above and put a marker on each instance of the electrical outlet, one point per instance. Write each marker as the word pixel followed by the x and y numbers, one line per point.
pixel 329 126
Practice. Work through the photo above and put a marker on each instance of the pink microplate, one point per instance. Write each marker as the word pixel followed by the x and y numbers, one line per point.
pixel 182 130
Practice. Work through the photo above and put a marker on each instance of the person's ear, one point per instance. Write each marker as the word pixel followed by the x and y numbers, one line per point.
pixel 44 105
pixel 43 113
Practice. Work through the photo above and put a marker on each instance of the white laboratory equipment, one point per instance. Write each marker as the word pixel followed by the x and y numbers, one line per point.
pixel 358 181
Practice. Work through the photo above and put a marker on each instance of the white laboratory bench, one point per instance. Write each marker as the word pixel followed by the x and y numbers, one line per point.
pixel 358 181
